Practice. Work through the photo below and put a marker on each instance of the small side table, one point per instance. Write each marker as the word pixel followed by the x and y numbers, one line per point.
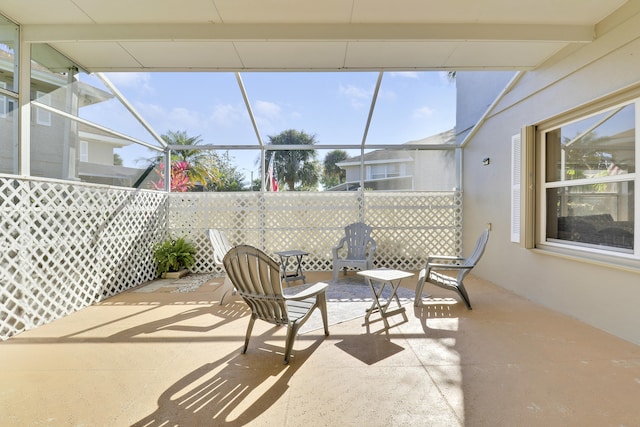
pixel 385 277
pixel 296 274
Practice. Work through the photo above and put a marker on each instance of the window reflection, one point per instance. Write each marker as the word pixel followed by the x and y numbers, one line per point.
pixel 598 146
pixel 598 154
pixel 8 97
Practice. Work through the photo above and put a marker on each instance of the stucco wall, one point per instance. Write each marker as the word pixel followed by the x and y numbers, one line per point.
pixel 600 295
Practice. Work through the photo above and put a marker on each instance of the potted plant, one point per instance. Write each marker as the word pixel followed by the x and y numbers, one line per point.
pixel 174 257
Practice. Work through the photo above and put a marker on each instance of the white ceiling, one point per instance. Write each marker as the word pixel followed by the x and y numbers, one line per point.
pixel 238 35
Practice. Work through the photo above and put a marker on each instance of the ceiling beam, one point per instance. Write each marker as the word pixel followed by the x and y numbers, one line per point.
pixel 47 33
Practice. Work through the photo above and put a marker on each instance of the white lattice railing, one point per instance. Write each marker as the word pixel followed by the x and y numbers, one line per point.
pixel 407 226
pixel 65 246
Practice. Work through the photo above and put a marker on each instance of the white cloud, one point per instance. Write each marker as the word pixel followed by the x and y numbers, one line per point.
pixel 355 92
pixel 359 97
pixel 267 110
pixel 227 114
pixel 387 95
pixel 176 119
pixel 135 80
pixel 423 112
pixel 184 115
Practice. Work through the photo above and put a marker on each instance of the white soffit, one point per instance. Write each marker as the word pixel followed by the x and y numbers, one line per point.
pixel 198 54
pixel 236 35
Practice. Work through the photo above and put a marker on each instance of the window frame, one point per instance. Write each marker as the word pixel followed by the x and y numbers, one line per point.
pixel 558 122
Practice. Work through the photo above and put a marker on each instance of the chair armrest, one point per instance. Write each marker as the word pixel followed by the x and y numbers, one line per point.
pixel 338 246
pixel 444 258
pixel 372 250
pixel 311 291
pixel 449 267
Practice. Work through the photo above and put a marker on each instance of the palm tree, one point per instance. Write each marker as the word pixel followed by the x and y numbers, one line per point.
pixel 333 174
pixel 201 167
pixel 295 166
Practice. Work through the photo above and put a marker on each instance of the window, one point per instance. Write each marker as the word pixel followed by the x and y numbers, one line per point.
pixel 382 171
pixel 43 117
pixel 3 101
pixel 588 180
pixel 84 151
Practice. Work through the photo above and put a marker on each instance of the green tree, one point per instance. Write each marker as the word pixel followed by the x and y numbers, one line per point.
pixel 206 170
pixel 202 169
pixel 332 174
pixel 295 167
pixel 229 178
pixel 256 185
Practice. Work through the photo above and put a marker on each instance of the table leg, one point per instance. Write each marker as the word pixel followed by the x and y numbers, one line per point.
pixel 376 306
pixel 297 275
pixel 299 269
pixel 284 262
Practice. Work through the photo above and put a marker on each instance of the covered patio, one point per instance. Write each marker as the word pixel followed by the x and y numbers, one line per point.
pixel 90 337
pixel 155 356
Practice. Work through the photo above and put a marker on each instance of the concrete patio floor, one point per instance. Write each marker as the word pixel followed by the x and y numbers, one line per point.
pixel 166 358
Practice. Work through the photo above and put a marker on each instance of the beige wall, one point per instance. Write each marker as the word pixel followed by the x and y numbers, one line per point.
pixel 100 153
pixel 603 296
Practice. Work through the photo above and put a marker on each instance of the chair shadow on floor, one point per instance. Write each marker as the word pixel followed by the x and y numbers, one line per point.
pixel 224 392
pixel 219 317
pixel 434 311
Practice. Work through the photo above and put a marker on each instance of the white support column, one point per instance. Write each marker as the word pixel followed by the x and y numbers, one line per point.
pixel 24 108
pixel 71 138
pixel 167 171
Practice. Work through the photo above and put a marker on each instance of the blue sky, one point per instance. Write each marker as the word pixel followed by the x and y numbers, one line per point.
pixel 332 106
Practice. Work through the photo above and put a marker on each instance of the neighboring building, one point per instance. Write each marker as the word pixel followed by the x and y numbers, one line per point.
pixel 397 170
pixel 60 147
pixel 96 159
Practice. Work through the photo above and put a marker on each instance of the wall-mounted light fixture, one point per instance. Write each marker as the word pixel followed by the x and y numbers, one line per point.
pixel 486 161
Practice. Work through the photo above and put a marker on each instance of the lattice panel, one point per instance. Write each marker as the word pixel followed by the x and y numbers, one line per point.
pixel 407 226
pixel 238 215
pixel 66 246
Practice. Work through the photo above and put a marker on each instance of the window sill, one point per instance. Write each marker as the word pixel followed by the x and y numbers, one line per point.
pixel 620 262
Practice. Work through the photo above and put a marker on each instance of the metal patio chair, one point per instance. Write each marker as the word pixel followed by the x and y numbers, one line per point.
pixel 438 266
pixel 258 279
pixel 360 249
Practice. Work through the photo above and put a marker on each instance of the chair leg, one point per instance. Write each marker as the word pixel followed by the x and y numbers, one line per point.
pixel 229 288
pixel 335 273
pixel 292 331
pixel 417 301
pixel 463 294
pixel 322 305
pixel 252 320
